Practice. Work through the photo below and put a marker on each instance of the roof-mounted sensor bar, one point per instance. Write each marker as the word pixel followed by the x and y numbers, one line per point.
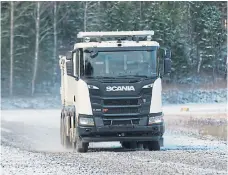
pixel 115 34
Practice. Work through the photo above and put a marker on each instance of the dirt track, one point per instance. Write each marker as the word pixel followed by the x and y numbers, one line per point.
pixel 30 145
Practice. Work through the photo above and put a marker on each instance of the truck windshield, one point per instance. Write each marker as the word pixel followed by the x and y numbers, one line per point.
pixel 120 64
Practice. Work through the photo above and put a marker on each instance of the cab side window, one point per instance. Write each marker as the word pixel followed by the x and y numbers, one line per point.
pixel 77 63
pixel 81 63
pixel 70 67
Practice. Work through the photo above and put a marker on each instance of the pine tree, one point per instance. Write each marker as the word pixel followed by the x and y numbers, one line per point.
pixel 211 36
pixel 194 31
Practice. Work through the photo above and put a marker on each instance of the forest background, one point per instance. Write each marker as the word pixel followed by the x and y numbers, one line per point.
pixel 33 34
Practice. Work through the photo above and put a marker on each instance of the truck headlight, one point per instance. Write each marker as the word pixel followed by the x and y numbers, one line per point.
pixel 155 119
pixel 92 87
pixel 148 86
pixel 86 120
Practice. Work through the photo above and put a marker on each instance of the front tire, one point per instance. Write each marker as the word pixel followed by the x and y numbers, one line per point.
pixel 154 146
pixel 129 145
pixel 81 147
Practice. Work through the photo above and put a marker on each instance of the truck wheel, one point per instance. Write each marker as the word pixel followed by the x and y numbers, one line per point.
pixel 67 143
pixel 125 145
pixel 145 145
pixel 81 147
pixel 154 146
pixel 65 140
pixel 129 145
pixel 61 131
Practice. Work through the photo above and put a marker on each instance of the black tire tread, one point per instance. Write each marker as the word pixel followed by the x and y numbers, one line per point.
pixel 129 145
pixel 154 146
pixel 81 147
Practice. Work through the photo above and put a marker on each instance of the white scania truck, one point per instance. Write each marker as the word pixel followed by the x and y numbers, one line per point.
pixel 111 90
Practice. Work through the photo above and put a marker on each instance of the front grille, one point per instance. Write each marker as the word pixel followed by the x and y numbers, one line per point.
pixel 121 122
pixel 95 100
pixel 120 101
pixel 94 92
pixel 107 122
pixel 122 110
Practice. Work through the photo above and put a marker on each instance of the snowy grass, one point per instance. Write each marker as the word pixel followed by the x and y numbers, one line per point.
pixel 176 96
pixel 171 96
pixel 195 90
pixel 38 102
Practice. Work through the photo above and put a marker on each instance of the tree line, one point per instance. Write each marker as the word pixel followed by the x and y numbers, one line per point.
pixel 33 34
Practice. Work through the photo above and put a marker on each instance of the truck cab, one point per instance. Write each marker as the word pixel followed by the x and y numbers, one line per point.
pixel 111 90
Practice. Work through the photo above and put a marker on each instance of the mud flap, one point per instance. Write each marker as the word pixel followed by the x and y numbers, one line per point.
pixel 72 129
pixel 67 125
pixel 73 134
pixel 161 142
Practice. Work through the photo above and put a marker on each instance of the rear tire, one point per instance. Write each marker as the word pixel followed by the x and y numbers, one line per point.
pixel 61 130
pixel 154 146
pixel 65 140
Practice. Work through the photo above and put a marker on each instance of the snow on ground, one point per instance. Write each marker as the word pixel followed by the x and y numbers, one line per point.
pixel 40 102
pixel 169 97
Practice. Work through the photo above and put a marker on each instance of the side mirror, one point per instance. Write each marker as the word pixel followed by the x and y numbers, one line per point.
pixel 69 55
pixel 167 66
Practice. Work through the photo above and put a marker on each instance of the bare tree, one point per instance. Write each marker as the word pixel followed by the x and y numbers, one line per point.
pixel 10 32
pixel 11 47
pixel 85 15
pixel 55 35
pixel 36 46
pixel 91 15
pixel 42 30
pixel 55 30
pixel 199 63
pixel 56 20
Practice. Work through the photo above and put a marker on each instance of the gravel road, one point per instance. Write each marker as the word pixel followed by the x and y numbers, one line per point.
pixel 30 145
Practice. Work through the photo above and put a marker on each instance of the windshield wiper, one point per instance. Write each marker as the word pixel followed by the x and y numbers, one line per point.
pixel 133 76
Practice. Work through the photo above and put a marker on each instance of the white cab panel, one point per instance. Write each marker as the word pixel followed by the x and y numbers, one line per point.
pixel 156 100
pixel 83 105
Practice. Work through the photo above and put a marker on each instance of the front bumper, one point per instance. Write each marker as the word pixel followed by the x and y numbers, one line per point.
pixel 121 133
